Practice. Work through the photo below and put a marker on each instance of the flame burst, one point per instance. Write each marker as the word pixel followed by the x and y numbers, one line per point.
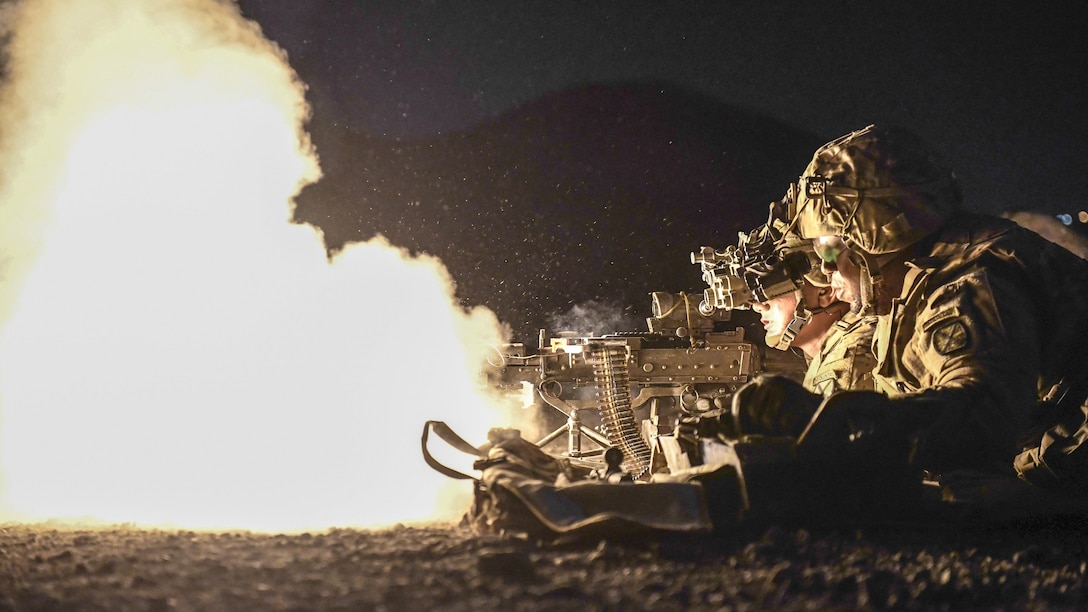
pixel 173 351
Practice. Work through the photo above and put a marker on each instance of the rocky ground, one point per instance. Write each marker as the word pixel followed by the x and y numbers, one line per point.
pixel 1033 566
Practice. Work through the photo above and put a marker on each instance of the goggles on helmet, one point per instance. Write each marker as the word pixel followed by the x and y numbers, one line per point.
pixel 828 248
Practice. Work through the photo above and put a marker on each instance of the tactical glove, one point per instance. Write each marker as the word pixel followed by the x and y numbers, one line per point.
pixel 865 447
pixel 847 416
pixel 772 405
pixel 861 427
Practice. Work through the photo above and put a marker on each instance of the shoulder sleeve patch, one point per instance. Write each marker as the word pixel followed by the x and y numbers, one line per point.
pixel 950 336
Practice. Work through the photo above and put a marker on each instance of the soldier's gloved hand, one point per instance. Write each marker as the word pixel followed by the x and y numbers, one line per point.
pixel 773 405
pixel 849 419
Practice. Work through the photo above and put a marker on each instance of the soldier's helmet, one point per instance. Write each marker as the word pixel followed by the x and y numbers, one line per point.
pixel 880 188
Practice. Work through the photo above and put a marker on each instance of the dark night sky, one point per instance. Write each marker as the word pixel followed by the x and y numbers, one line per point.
pixel 997 86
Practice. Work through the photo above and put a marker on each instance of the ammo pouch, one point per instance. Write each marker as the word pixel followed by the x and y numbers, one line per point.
pixel 524 491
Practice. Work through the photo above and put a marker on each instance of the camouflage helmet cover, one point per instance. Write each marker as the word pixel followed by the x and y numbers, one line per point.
pixel 880 188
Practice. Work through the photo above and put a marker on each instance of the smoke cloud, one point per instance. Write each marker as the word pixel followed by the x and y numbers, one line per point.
pixel 596 318
pixel 173 350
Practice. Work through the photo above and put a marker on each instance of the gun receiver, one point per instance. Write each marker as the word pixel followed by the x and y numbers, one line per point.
pixel 658 367
pixel 686 364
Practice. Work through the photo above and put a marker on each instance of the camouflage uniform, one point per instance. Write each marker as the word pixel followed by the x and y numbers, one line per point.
pixel 989 320
pixel 846 358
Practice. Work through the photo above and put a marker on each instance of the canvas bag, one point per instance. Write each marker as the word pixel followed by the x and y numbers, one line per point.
pixel 523 490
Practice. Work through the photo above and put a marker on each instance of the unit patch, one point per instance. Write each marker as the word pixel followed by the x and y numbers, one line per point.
pixel 950 337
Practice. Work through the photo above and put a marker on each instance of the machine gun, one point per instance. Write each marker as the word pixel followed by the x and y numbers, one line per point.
pixel 688 363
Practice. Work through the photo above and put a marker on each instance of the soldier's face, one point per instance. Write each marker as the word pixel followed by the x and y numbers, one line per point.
pixel 776 313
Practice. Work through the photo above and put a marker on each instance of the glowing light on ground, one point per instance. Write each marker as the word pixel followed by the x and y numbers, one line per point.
pixel 174 352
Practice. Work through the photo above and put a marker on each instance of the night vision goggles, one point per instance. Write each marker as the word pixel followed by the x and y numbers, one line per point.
pixel 756 269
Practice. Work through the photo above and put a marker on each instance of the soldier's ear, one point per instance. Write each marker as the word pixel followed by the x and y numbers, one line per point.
pixel 825 296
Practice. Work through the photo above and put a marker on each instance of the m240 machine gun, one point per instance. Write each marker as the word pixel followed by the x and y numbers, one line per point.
pixel 631 390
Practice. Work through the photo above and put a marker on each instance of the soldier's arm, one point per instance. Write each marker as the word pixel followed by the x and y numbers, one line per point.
pixel 977 340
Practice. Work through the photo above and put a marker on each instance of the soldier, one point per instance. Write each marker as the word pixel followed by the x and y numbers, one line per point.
pixel 979 333
pixel 837 344
pixel 804 313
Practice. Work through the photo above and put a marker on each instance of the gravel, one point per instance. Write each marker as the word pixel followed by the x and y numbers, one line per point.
pixel 1018 566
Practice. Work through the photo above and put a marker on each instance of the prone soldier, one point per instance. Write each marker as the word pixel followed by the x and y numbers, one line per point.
pixel 979 324
pixel 836 343
pixel 784 283
pixel 977 376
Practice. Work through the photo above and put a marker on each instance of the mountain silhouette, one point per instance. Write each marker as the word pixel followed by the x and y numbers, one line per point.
pixel 579 203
